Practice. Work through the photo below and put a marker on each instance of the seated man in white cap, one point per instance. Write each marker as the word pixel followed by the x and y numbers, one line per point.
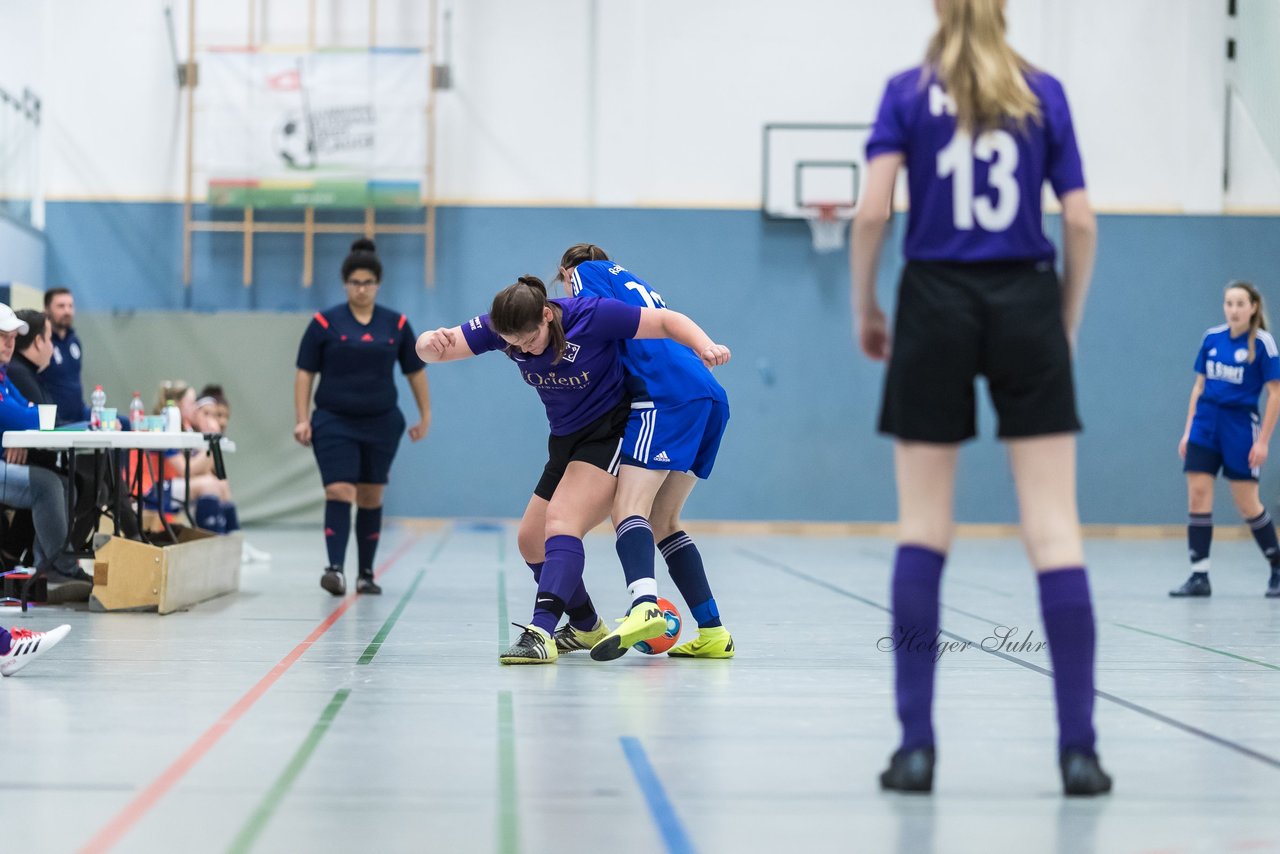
pixel 35 489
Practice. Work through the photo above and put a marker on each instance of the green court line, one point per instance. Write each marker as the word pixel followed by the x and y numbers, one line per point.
pixel 504 636
pixel 257 822
pixel 435 553
pixel 372 649
pixel 508 817
pixel 1198 646
pixel 502 546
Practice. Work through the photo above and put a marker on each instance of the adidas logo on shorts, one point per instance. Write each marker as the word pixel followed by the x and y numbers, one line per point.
pixel 662 457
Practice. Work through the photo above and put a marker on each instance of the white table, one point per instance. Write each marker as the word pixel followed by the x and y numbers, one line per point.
pixel 113 441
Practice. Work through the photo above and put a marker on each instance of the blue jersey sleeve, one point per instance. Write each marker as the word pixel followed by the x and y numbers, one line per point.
pixel 1201 356
pixel 889 134
pixel 311 350
pixel 1063 168
pixel 611 318
pixel 480 338
pixel 410 361
pixel 1270 364
pixel 15 412
pixel 590 279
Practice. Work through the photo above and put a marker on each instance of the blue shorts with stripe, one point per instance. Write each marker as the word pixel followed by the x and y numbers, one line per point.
pixel 1221 438
pixel 685 437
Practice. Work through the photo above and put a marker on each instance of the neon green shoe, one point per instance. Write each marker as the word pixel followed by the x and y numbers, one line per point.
pixel 710 643
pixel 645 621
pixel 569 639
pixel 534 647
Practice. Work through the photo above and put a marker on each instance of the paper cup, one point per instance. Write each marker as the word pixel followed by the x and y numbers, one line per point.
pixel 109 419
pixel 48 415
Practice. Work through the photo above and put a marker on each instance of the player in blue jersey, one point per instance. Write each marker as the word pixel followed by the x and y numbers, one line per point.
pixel 678 417
pixel 979 131
pixel 568 350
pixel 355 429
pixel 1236 360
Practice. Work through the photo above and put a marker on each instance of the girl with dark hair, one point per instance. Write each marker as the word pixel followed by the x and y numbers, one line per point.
pixel 1236 360
pixel 980 131
pixel 356 426
pixel 568 350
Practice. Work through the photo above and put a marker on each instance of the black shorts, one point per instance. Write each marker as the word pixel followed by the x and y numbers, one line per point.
pixel 1002 320
pixel 599 443
pixel 355 449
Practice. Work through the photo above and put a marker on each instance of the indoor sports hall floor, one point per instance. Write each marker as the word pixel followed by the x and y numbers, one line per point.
pixel 281 720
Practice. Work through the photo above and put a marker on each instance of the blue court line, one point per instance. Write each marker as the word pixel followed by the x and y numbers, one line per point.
pixel 664 814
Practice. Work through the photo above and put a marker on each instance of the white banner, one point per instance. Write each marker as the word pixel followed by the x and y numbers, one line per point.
pixel 274 122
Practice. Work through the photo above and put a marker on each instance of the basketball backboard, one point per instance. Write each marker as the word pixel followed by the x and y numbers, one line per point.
pixel 812 163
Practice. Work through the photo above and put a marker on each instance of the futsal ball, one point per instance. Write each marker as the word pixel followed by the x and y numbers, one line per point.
pixel 666 640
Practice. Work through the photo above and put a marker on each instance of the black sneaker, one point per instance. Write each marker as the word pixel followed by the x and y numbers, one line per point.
pixel 1273 586
pixel 334 581
pixel 1196 585
pixel 70 587
pixel 909 771
pixel 366 585
pixel 533 647
pixel 1082 775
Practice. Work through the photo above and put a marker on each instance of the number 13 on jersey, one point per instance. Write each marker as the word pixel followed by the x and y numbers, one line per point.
pixel 956 161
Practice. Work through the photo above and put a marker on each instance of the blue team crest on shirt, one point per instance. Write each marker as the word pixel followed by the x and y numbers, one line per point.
pixel 570 351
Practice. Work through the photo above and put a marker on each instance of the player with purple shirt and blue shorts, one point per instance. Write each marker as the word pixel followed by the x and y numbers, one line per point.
pixel 1224 433
pixel 980 131
pixel 568 350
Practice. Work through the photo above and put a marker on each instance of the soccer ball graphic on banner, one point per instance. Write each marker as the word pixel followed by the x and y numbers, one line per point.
pixel 663 642
pixel 295 143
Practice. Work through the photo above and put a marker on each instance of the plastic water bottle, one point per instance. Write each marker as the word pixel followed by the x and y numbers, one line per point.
pixel 137 412
pixel 97 401
pixel 172 417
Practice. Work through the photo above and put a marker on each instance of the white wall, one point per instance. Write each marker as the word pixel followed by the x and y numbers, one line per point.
pixel 653 102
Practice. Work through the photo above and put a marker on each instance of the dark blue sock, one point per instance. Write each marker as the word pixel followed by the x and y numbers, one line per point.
pixel 368 532
pixel 635 550
pixel 1068 626
pixel 209 514
pixel 1199 538
pixel 580 609
pixel 231 517
pixel 561 576
pixel 1264 533
pixel 917 575
pixel 684 562
pixel 337 529
pixel 4 642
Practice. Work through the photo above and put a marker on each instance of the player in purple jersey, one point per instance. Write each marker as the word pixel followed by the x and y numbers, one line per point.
pixel 677 421
pixel 567 349
pixel 356 426
pixel 1236 361
pixel 979 131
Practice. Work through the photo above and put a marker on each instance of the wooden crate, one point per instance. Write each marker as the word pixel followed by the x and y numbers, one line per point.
pixel 133 576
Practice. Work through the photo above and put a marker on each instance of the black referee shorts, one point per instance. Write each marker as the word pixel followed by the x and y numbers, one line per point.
pixel 1002 320
pixel 599 443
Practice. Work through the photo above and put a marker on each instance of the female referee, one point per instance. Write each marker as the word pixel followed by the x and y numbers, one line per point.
pixel 1235 361
pixel 355 429
pixel 979 131
pixel 568 350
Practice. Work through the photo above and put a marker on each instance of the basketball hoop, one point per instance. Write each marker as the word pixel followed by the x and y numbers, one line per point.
pixel 829 223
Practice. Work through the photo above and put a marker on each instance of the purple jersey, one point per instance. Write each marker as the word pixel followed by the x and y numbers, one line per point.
pixel 588 381
pixel 976 200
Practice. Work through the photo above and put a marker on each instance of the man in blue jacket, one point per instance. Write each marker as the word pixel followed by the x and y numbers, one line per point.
pixel 61 380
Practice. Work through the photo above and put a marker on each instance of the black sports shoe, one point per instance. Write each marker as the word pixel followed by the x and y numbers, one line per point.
pixel 533 647
pixel 1082 775
pixel 1273 586
pixel 334 581
pixel 366 585
pixel 1196 585
pixel 909 771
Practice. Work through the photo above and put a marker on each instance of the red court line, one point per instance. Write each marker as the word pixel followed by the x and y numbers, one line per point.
pixel 124 821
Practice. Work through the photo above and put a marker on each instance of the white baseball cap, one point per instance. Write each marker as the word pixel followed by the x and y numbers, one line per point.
pixel 10 322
